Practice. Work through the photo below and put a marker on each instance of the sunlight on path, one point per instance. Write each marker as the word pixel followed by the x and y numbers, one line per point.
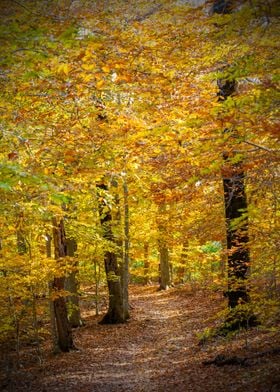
pixel 155 351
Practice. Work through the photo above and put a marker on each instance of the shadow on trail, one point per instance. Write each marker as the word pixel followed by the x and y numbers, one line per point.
pixel 155 351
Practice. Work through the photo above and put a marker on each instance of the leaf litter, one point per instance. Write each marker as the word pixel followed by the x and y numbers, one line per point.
pixel 157 350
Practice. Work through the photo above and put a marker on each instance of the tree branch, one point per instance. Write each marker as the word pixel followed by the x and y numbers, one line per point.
pixel 258 146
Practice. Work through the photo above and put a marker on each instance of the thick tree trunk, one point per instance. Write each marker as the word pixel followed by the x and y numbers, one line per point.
pixel 164 279
pixel 64 333
pixel 235 204
pixel 71 285
pixel 115 313
pixel 237 237
pixel 164 267
pixel 236 219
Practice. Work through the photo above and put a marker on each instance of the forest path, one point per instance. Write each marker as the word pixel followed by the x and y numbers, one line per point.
pixel 155 351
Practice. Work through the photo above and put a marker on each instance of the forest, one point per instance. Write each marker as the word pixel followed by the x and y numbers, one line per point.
pixel 139 195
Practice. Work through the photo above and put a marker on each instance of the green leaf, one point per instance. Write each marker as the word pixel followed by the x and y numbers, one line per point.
pixel 5 186
pixel 60 198
pixel 69 33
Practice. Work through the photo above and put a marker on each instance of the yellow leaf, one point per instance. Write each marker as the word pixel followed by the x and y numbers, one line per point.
pixel 86 77
pixel 106 69
pixel 88 67
pixel 63 68
pixel 100 83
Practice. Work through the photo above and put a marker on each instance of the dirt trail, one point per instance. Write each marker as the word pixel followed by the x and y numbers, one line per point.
pixel 156 351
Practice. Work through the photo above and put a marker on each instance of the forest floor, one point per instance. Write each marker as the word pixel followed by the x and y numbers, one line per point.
pixel 157 350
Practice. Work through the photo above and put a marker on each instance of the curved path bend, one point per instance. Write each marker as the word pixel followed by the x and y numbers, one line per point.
pixel 156 351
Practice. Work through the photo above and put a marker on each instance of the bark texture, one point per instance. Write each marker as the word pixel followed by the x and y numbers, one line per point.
pixel 236 212
pixel 21 243
pixel 182 272
pixel 125 271
pixel 64 332
pixel 164 267
pixel 164 279
pixel 222 6
pixel 115 313
pixel 51 303
pixel 146 263
pixel 71 285
pixel 237 237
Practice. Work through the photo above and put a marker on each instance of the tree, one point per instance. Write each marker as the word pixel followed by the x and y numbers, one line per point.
pixel 116 311
pixel 64 333
pixel 72 286
pixel 81 91
pixel 125 266
pixel 146 262
pixel 236 213
pixel 164 267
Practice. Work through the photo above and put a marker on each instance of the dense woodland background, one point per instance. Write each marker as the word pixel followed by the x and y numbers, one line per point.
pixel 139 151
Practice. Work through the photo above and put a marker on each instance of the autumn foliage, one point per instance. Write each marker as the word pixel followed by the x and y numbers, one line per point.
pixel 127 93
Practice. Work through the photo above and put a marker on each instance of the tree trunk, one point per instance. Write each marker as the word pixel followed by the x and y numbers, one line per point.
pixel 97 276
pixel 164 267
pixel 181 271
pixel 21 243
pixel 146 263
pixel 237 237
pixel 222 6
pixel 123 245
pixel 64 333
pixel 71 285
pixel 236 220
pixel 51 304
pixel 125 272
pixel 115 313
pixel 164 280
